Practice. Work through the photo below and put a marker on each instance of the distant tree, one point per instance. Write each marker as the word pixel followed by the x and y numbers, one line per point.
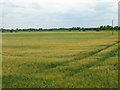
pixel 101 27
pixel 108 27
pixel 116 28
pixel 78 28
pixel 11 30
pixel 2 30
pixel 40 29
pixel 83 29
pixel 16 30
pixel 97 29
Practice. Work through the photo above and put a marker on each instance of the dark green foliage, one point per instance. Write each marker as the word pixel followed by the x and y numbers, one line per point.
pixel 65 29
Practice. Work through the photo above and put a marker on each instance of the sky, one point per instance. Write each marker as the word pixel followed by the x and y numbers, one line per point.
pixel 57 13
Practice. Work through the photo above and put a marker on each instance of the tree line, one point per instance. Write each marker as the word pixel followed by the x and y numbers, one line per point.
pixel 101 28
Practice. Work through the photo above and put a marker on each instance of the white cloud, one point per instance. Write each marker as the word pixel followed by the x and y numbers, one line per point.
pixel 50 13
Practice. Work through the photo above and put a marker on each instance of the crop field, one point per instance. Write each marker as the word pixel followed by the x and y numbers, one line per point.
pixel 60 59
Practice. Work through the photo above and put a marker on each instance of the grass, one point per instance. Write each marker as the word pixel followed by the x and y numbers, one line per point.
pixel 60 60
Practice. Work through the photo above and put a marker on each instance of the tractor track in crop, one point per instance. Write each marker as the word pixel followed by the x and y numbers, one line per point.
pixel 54 65
pixel 86 67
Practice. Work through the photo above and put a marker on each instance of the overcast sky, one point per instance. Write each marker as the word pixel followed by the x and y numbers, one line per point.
pixel 57 13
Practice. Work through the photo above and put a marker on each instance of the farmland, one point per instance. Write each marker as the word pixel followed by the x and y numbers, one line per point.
pixel 60 59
